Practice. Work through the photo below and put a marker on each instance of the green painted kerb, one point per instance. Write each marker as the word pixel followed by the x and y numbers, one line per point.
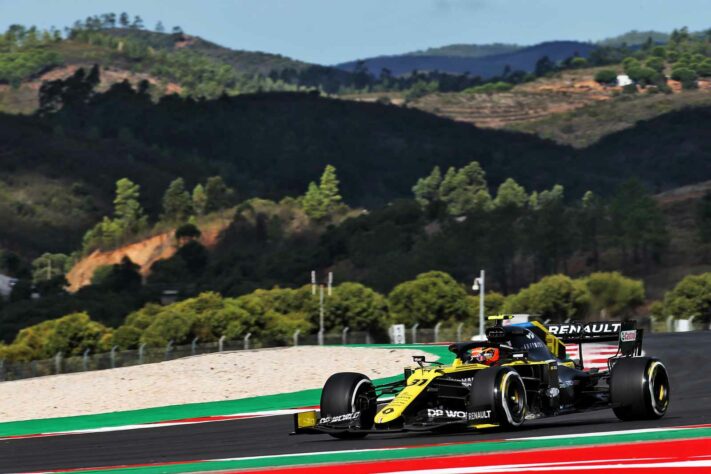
pixel 195 410
pixel 410 453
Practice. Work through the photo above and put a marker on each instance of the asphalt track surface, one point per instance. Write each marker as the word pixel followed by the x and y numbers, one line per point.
pixel 686 356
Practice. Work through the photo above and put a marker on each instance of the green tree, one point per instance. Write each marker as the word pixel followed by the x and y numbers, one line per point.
pixel 659 52
pixel 639 226
pixel 691 296
pixel 330 194
pixel 606 76
pixel 465 190
pixel 578 62
pixel 686 76
pixel 703 69
pixel 49 266
pixel 428 299
pixel 549 230
pixel 555 297
pixel 656 63
pixel 127 208
pixel 629 64
pixel 644 75
pixel 322 200
pixel 123 276
pixel 358 307
pixel 590 222
pixel 613 296
pixel 218 195
pixel 199 199
pixel 71 335
pixel 510 194
pixel 426 190
pixel 177 203
pixel 509 207
pixel 313 202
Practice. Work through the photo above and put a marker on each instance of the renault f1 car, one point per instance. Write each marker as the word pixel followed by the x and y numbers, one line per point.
pixel 521 372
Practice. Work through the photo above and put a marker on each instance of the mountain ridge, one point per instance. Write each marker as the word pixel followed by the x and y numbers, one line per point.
pixel 523 59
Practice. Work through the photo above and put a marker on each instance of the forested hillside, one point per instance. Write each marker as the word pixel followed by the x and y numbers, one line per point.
pixel 272 145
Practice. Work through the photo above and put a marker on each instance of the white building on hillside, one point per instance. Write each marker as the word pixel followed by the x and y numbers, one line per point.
pixel 624 80
pixel 6 284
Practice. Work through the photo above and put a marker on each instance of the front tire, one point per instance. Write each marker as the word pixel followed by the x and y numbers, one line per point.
pixel 639 389
pixel 349 392
pixel 501 390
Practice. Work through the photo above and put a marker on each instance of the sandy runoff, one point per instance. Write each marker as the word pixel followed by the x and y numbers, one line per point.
pixel 204 378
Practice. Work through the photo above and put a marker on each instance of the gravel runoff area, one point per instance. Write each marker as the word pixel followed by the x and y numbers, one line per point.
pixel 204 378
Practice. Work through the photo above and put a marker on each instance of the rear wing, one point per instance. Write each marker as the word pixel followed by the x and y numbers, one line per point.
pixel 625 333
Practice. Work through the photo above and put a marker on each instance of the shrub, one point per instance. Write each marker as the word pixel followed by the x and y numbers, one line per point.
pixel 686 76
pixel 606 76
pixel 691 296
pixel 357 307
pixel 556 297
pixel 428 299
pixel 614 294
pixel 71 335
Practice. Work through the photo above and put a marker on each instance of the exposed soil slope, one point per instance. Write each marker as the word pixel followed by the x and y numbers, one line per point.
pixel 144 253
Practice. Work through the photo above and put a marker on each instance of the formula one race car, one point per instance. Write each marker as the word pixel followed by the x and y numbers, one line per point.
pixel 520 373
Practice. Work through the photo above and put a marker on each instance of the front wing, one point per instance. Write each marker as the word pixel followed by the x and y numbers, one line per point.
pixel 309 422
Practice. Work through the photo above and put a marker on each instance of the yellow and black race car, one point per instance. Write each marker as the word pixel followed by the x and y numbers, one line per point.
pixel 520 373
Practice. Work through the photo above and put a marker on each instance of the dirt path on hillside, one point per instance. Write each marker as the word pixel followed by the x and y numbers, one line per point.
pixel 205 378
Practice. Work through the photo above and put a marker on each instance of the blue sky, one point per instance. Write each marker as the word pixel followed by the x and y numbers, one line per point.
pixel 331 31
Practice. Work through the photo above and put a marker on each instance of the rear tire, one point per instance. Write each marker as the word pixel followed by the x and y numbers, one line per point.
pixel 639 389
pixel 501 390
pixel 348 392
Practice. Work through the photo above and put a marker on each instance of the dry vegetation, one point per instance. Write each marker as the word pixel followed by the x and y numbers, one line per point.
pixel 584 126
pixel 569 107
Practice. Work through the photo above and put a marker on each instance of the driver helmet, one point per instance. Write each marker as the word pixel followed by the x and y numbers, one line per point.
pixel 484 355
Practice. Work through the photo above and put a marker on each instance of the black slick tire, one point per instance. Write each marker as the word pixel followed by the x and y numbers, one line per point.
pixel 639 389
pixel 348 392
pixel 501 390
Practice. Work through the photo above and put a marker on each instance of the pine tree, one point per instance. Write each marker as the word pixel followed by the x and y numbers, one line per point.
pixel 177 203
pixel 127 210
pixel 329 189
pixel 137 23
pixel 124 20
pixel 199 200
pixel 465 190
pixel 511 194
pixel 313 202
pixel 218 195
pixel 159 27
pixel 426 190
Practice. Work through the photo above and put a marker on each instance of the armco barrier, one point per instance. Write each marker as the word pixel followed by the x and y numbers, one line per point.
pixel 61 364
